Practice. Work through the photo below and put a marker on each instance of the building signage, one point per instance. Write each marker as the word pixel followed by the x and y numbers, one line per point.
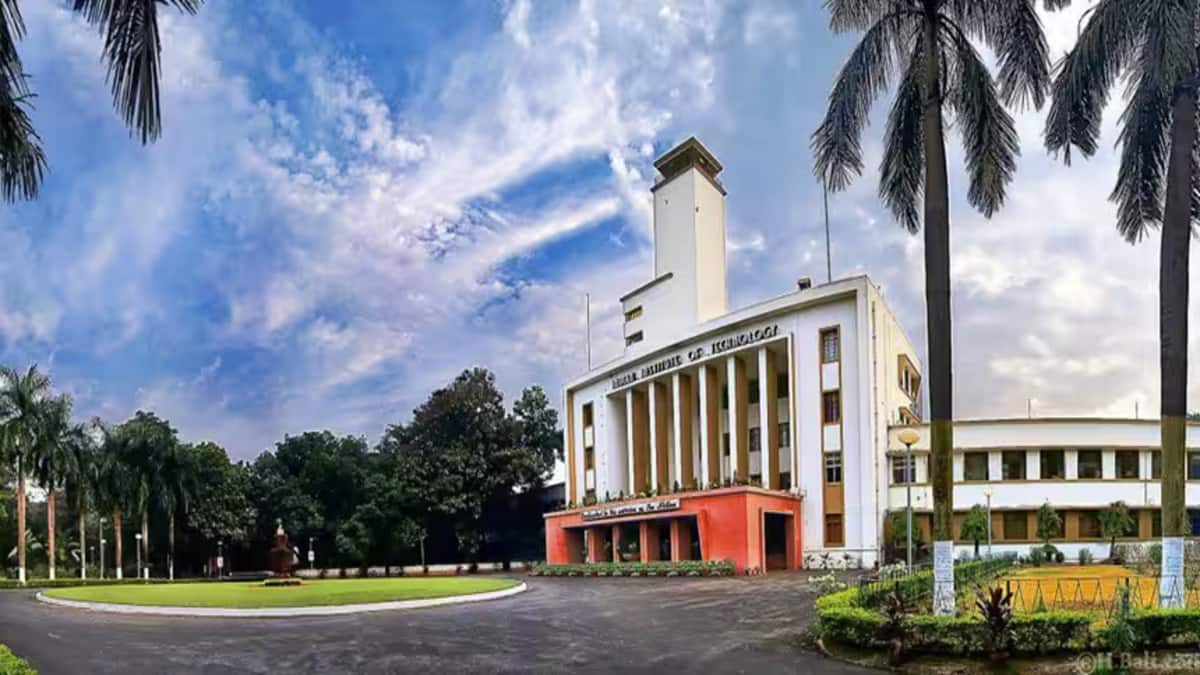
pixel 631 509
pixel 718 346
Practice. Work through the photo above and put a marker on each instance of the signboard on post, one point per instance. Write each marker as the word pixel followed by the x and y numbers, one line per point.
pixel 311 555
pixel 220 562
pixel 1171 582
pixel 943 578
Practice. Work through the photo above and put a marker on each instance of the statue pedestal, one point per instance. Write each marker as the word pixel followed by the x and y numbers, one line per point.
pixel 281 555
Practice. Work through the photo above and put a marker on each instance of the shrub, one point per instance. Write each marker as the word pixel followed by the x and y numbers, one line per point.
pixel 275 583
pixel 1163 627
pixel 1037 556
pixel 995 607
pixel 71 582
pixel 1049 632
pixel 1085 556
pixel 1155 554
pixel 1119 635
pixel 11 664
pixel 827 583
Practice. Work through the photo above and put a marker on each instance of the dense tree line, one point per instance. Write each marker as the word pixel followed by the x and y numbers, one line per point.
pixel 452 484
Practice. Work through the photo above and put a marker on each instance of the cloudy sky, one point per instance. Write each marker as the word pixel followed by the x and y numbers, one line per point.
pixel 350 205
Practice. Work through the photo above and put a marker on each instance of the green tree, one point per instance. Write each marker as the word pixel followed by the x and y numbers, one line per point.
pixel 81 479
pixel 173 492
pixel 220 507
pixel 114 487
pixel 1152 47
pixel 975 527
pixel 1116 521
pixel 897 531
pixel 146 444
pixel 21 397
pixel 50 460
pixel 1049 524
pixel 930 45
pixel 131 52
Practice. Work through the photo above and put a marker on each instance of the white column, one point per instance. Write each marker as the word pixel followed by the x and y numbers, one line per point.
pixel 629 489
pixel 764 446
pixel 677 446
pixel 652 392
pixel 705 441
pixel 734 441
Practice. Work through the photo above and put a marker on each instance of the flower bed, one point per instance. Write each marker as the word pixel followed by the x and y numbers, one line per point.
pixel 658 568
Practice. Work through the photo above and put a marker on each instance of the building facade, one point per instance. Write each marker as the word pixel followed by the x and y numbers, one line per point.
pixel 758 434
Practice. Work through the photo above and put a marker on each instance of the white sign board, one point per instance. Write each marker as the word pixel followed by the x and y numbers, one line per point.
pixel 631 509
pixel 311 555
pixel 1171 585
pixel 220 561
pixel 943 578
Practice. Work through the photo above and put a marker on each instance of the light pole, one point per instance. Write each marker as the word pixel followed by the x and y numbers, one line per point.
pixel 103 541
pixel 220 557
pixel 312 556
pixel 987 492
pixel 908 437
pixel 138 537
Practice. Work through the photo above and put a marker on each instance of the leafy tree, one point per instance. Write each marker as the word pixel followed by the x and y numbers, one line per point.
pixel 975 527
pixel 1049 523
pixel 131 51
pixel 930 45
pixel 81 478
pixel 146 445
pixel 21 397
pixel 1116 521
pixel 220 507
pixel 50 460
pixel 897 530
pixel 1150 45
pixel 386 521
pixel 114 487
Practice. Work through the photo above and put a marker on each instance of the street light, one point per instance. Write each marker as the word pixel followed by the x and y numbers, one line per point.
pixel 987 492
pixel 138 537
pixel 103 541
pixel 908 437
pixel 312 556
pixel 220 557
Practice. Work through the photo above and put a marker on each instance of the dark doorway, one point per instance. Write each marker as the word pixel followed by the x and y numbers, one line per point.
pixel 664 540
pixel 693 540
pixel 775 535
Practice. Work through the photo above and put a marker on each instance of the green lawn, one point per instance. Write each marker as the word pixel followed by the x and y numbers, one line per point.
pixel 313 593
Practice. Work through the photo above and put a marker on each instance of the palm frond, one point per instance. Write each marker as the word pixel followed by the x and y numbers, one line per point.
pixel 988 134
pixel 836 143
pixel 1085 76
pixel 1054 5
pixel 132 49
pixel 854 15
pixel 902 168
pixel 1142 170
pixel 1024 56
pixel 22 160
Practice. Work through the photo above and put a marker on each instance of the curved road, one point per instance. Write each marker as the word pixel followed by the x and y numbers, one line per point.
pixel 558 625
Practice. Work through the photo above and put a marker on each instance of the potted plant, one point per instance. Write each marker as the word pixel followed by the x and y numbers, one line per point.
pixel 630 552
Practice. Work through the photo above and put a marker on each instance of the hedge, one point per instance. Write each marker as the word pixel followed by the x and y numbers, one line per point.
pixel 11 664
pixel 69 582
pixel 919 585
pixel 1164 627
pixel 657 568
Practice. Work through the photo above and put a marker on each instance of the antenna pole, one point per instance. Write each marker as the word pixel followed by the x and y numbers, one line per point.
pixel 828 257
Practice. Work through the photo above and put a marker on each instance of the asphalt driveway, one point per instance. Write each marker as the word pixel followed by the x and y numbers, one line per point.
pixel 743 625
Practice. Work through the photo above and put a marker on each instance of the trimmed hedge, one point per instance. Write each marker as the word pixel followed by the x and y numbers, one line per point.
pixel 9 584
pixel 1164 627
pixel 11 664
pixel 657 568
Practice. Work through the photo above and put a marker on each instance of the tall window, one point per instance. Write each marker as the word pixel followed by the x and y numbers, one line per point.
pixel 588 413
pixel 755 439
pixel 833 467
pixel 831 407
pixel 903 470
pixel 1013 464
pixel 1016 525
pixel 1054 465
pixel 975 466
pixel 1127 464
pixel 1089 525
pixel 1090 465
pixel 589 459
pixel 785 435
pixel 831 346
pixel 752 393
pixel 781 384
pixel 1155 464
pixel 833 530
pixel 1156 523
pixel 725 444
pixel 1193 471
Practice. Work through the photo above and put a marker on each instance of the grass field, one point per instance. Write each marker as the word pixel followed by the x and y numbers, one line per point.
pixel 1089 587
pixel 314 593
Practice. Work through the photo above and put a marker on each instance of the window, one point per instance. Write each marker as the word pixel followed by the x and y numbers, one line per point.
pixel 1156 464
pixel 725 444
pixel 590 495
pixel 833 529
pixel 1016 525
pixel 785 435
pixel 1127 464
pixel 831 407
pixel 589 459
pixel 587 414
pixel 752 394
pixel 755 439
pixel 781 385
pixel 1156 524
pixel 1090 465
pixel 1089 525
pixel 900 475
pixel 633 313
pixel 724 398
pixel 833 467
pixel 1054 465
pixel 785 480
pixel 975 466
pixel 1013 464
pixel 1193 470
pixel 633 339
pixel 831 346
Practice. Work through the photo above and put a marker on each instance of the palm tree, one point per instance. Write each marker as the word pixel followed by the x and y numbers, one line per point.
pixel 1152 46
pixel 928 44
pixel 81 479
pixel 173 493
pixel 21 396
pixel 112 487
pixel 131 51
pixel 49 460
pixel 147 439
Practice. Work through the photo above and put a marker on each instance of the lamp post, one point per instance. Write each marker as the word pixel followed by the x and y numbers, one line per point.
pixel 138 537
pixel 103 541
pixel 987 492
pixel 908 437
pixel 220 557
pixel 312 555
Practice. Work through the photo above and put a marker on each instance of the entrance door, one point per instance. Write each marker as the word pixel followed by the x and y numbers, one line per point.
pixel 775 534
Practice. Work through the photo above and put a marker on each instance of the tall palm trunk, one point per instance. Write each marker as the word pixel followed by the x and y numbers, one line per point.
pixel 50 529
pixel 20 520
pixel 82 541
pixel 171 546
pixel 1173 337
pixel 119 565
pixel 145 571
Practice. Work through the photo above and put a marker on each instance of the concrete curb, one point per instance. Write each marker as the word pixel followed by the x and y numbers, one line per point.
pixel 282 612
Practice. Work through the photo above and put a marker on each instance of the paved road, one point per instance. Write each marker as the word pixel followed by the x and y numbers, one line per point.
pixel 560 625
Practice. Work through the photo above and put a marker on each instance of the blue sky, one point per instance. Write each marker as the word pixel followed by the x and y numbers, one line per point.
pixel 354 201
